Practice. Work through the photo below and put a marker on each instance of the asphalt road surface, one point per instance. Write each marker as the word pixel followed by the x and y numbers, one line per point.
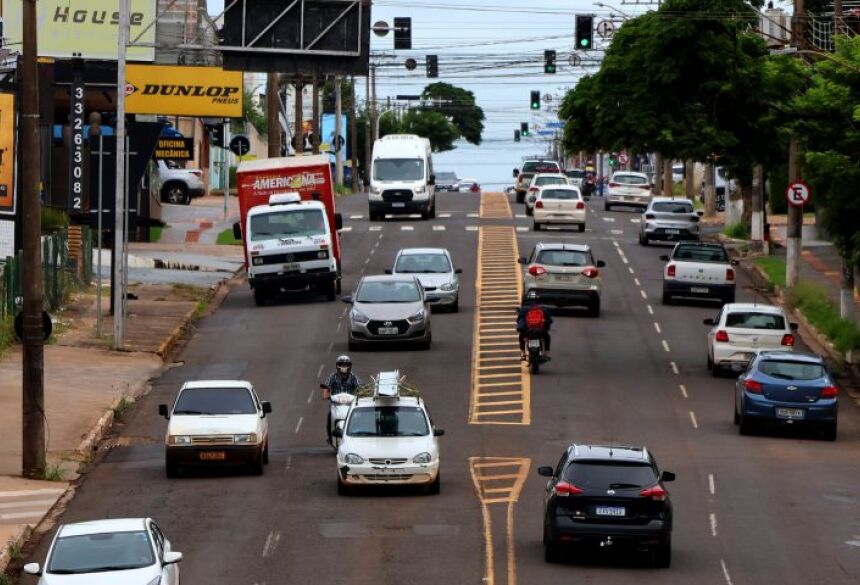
pixel 780 509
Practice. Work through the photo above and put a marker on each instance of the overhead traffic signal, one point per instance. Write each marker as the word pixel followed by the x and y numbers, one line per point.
pixel 216 135
pixel 524 128
pixel 516 135
pixel 584 32
pixel 432 66
pixel 534 103
pixel 549 61
pixel 402 32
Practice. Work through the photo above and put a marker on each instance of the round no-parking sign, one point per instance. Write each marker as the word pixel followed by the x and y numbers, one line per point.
pixel 798 194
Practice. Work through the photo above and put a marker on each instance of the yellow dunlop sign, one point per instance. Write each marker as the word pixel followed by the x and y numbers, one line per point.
pixel 183 91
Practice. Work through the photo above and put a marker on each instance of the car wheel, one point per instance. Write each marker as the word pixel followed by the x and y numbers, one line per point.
pixel 710 363
pixel 552 552
pixel 455 308
pixel 260 296
pixel 594 308
pixel 716 370
pixel 353 345
pixel 662 556
pixel 737 418
pixel 520 198
pixel 606 206
pixel 175 193
pixel 432 213
pixel 434 488
pixel 667 298
pixel 425 345
pixel 730 298
pixel 171 470
pixel 343 489
pixel 581 227
pixel 745 426
pixel 536 226
pixel 828 433
pixel 529 211
pixel 331 293
pixel 266 454
pixel 534 366
pixel 643 241
pixel 257 466
pixel 375 215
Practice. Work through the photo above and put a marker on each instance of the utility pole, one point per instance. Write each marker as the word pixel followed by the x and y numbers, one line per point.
pixel 374 122
pixel 710 192
pixel 338 131
pixel 689 181
pixel 668 185
pixel 757 218
pixel 353 135
pixel 299 134
pixel 33 363
pixel 273 114
pixel 794 230
pixel 367 139
pixel 316 129
pixel 119 249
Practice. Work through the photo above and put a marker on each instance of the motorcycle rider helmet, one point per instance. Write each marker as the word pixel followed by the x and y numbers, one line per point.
pixel 344 364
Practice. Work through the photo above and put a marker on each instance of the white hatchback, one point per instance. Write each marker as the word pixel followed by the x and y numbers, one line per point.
pixel 559 205
pixel 628 188
pixel 740 330
pixel 541 180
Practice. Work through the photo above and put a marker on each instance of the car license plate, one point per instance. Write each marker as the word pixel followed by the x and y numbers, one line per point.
pixel 563 277
pixel 398 204
pixel 291 267
pixel 609 511
pixel 388 331
pixel 699 289
pixel 673 232
pixel 534 343
pixel 790 413
pixel 213 455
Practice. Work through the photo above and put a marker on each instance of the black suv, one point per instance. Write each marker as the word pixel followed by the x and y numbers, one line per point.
pixel 607 495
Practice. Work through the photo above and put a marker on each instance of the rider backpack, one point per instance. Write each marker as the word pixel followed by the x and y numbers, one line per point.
pixel 535 319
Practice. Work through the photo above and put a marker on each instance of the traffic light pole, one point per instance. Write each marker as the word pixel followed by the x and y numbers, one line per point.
pixel 273 110
pixel 119 249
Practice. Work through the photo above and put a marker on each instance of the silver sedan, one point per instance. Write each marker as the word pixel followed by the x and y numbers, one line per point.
pixel 389 308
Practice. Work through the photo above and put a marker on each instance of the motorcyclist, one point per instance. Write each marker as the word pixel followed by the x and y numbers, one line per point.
pixel 342 380
pixel 523 327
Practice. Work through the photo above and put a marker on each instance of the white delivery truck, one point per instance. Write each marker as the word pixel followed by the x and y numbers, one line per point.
pixel 401 177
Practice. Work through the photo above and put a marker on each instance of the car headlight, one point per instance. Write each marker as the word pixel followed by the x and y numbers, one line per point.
pixel 322 254
pixel 353 459
pixel 449 286
pixel 416 317
pixel 179 440
pixel 376 190
pixel 245 438
pixel 359 317
pixel 422 458
pixel 419 189
pixel 257 260
pixel 155 581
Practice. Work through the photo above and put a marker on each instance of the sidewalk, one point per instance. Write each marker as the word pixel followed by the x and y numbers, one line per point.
pixel 199 222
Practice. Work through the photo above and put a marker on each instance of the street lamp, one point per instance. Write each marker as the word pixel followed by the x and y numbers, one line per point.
pixel 623 14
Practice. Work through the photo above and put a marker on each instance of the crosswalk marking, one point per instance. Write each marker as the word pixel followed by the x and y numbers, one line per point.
pixel 407 228
pixel 438 228
pixel 609 219
pixel 27 506
pixel 347 228
pixel 495 206
pixel 375 228
pixel 356 216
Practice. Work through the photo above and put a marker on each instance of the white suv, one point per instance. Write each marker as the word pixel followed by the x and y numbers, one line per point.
pixel 563 275
pixel 628 188
pixel 388 439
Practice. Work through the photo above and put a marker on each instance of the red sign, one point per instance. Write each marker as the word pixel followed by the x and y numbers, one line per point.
pixel 798 194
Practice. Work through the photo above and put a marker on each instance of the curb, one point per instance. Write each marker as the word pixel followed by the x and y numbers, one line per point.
pixel 18 540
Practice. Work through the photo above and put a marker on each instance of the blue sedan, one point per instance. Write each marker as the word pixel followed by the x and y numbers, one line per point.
pixel 787 388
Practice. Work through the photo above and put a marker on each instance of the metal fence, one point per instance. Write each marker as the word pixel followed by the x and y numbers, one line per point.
pixel 60 272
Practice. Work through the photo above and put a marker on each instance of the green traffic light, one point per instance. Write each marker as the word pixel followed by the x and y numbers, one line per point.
pixel 583 43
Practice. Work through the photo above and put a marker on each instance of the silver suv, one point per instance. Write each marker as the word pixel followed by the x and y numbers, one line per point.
pixel 563 275
pixel 389 308
pixel 669 219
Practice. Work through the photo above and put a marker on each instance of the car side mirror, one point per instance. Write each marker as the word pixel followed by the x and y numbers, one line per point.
pixel 522 260
pixel 664 258
pixel 708 321
pixel 347 299
pixel 432 180
pixel 795 326
pixel 267 407
pixel 237 231
pixel 33 569
pixel 337 433
pixel 667 476
pixel 458 271
pixel 162 411
pixel 700 213
pixel 171 558
pixel 516 172
pixel 388 271
pixel 338 221
pixel 600 264
pixel 438 432
pixel 545 471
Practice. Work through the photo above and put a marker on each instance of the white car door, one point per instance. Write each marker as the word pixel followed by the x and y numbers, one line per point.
pixel 169 573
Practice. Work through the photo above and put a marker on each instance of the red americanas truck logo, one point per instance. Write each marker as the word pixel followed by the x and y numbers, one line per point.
pixel 300 181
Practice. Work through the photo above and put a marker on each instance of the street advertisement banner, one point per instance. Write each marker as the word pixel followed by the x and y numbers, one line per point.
pixel 178 149
pixel 7 154
pixel 183 91
pixel 88 29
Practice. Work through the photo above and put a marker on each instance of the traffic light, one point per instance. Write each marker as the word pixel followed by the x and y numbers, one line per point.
pixel 524 128
pixel 584 32
pixel 402 33
pixel 216 137
pixel 535 101
pixel 516 135
pixel 549 61
pixel 432 66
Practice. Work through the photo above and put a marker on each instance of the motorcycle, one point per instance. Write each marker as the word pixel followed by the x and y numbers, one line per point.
pixel 339 405
pixel 534 352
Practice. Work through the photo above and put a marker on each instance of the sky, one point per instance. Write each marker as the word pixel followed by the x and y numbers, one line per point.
pixel 493 48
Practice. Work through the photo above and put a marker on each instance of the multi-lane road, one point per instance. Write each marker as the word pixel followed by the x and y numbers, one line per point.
pixel 748 510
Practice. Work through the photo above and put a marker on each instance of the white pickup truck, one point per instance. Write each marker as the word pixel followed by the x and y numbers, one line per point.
pixel 699 270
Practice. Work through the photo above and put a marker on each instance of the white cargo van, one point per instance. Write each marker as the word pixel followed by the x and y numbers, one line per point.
pixel 401 178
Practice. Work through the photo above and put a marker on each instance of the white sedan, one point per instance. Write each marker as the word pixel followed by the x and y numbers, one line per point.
pixel 131 551
pixel 538 181
pixel 628 188
pixel 559 205
pixel 740 330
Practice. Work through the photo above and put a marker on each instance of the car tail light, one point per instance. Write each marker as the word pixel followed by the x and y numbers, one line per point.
pixel 655 492
pixel 611 184
pixel 565 489
pixel 829 392
pixel 533 189
pixel 646 186
pixel 670 270
pixel 694 219
pixel 650 216
pixel 722 336
pixel 730 274
pixel 580 205
pixel 198 174
pixel 539 205
pixel 537 270
pixel 591 272
pixel 788 340
pixel 752 386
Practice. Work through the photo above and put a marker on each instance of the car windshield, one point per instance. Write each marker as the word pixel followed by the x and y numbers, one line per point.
pixel 286 224
pixel 98 553
pixel 550 180
pixel 388 421
pixel 398 169
pixel 195 401
pixel 559 194
pixel 672 207
pixel 749 320
pixel 540 167
pixel 445 177
pixel 603 475
pixel 388 292
pixel 423 264
pixel 629 179
pixel 564 258
pixel 789 370
pixel 575 174
pixel 701 254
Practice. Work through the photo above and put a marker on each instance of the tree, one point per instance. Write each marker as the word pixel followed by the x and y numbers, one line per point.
pixel 430 124
pixel 459 106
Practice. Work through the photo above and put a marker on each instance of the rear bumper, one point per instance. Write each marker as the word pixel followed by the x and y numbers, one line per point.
pixel 633 200
pixel 662 233
pixel 395 207
pixel 564 529
pixel 762 409
pixel 734 355
pixel 440 298
pixel 412 474
pixel 702 290
pixel 565 298
pixel 415 334
pixel 293 280
pixel 578 218
pixel 233 455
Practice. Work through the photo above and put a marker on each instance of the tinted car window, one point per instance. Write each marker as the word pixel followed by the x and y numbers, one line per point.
pixel 701 254
pixel 605 475
pixel 564 258
pixel 755 321
pixel 423 264
pixel 215 401
pixel 629 179
pixel 388 421
pixel 791 370
pixel 672 207
pixel 388 292
pixel 539 167
pixel 284 224
pixel 575 174
pixel 559 194
pixel 446 177
pixel 550 181
pixel 115 551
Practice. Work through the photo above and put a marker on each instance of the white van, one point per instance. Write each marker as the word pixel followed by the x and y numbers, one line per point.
pixel 401 178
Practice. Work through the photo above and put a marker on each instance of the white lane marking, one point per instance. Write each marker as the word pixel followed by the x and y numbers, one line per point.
pixel 665 345
pixel 693 420
pixel 444 215
pixel 271 543
pixel 521 216
pixel 380 236
pixel 367 261
pixel 656 326
pixel 713 518
pixel 636 280
pixel 624 259
pixel 615 243
pixel 635 220
pixel 311 396
pixel 331 346
pixel 346 228
pixel 630 268
pixel 522 228
pixel 726 572
pixel 375 228
pixel 471 228
pixel 473 215
pixel 674 367
pixel 407 228
pixel 439 228
pixel 340 324
pixel 616 231
pixel 641 292
pixel 299 425
pixel 683 390
pixel 319 371
pixel 372 251
pixel 22 515
pixel 711 484
pixel 356 216
pixel 376 245
pixel 27 504
pixel 609 219
pixel 650 309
